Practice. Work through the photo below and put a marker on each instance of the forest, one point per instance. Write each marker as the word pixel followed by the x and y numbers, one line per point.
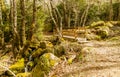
pixel 59 38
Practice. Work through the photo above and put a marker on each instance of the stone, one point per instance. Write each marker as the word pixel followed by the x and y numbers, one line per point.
pixel 23 75
pixel 99 23
pixel 18 66
pixel 45 63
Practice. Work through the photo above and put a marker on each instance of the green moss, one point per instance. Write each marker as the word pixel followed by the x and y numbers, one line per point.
pixel 59 50
pixel 38 52
pixel 19 65
pixel 114 38
pixel 45 63
pixel 43 45
pixel 23 75
pixel 96 24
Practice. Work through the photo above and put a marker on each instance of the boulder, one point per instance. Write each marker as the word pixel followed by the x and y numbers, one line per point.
pixel 103 31
pixel 96 24
pixel 109 24
pixel 18 66
pixel 92 36
pixel 45 63
pixel 59 50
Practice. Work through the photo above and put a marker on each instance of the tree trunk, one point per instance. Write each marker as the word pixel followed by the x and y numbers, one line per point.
pixel 65 14
pixel 54 17
pixel 22 30
pixel 33 21
pixel 119 11
pixel 1 27
pixel 111 11
pixel 85 17
pixel 31 30
pixel 15 43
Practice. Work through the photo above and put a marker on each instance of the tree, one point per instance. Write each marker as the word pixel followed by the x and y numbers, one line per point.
pixel 15 42
pixel 1 26
pixel 22 28
pixel 111 11
pixel 56 18
pixel 118 11
pixel 25 47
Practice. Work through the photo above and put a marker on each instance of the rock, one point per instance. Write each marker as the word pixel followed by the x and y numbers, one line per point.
pixel 59 50
pixel 109 24
pixel 71 58
pixel 18 66
pixel 115 23
pixel 23 75
pixel 96 24
pixel 37 52
pixel 45 63
pixel 103 31
pixel 45 44
pixel 93 36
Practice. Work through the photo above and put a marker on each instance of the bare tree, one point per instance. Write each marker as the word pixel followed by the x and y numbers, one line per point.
pixel 56 18
pixel 84 15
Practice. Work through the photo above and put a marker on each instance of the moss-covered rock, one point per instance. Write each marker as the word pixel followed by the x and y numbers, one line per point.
pixel 37 52
pixel 45 63
pixel 109 24
pixel 23 75
pixel 99 23
pixel 18 66
pixel 59 50
pixel 103 31
pixel 93 36
pixel 116 38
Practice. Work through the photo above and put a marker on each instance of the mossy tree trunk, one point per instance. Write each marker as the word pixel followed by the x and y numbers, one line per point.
pixel 31 30
pixel 15 43
pixel 1 27
pixel 111 10
pixel 22 30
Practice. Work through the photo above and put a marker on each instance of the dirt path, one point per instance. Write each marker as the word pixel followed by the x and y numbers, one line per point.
pixel 102 59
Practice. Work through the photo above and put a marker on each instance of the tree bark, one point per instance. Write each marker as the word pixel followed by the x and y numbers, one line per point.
pixel 1 26
pixel 31 30
pixel 119 11
pixel 111 11
pixel 54 17
pixel 22 30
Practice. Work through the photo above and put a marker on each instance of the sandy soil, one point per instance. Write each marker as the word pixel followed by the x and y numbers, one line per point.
pixel 102 59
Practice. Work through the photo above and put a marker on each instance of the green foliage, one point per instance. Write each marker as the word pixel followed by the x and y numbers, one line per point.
pixel 41 17
pixel 116 12
pixel 37 53
pixel 45 63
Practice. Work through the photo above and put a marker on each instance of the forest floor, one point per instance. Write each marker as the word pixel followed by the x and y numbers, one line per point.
pixel 102 59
